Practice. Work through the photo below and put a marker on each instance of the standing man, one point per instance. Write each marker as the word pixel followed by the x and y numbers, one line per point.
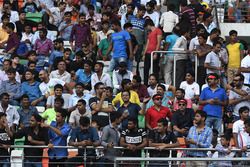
pixel 245 69
pixel 199 136
pixel 80 34
pixel 153 44
pixel 119 42
pixel 35 135
pixel 58 133
pixel 213 98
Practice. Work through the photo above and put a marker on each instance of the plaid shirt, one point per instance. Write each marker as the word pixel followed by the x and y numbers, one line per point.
pixel 203 139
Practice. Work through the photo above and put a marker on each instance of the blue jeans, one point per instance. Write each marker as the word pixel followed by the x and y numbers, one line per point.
pixel 214 122
pixel 114 63
pixel 5 163
pixel 28 163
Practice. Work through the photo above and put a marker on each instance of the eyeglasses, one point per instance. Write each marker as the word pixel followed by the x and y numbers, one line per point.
pixel 181 104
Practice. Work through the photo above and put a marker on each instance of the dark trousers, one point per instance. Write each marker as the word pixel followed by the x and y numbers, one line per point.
pixel 138 57
pixel 147 65
pixel 180 72
pixel 201 75
pixel 57 162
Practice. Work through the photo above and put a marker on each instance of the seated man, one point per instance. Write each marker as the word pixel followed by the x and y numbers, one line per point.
pixel 182 119
pixel 134 139
pixel 61 72
pixel 83 136
pixel 58 93
pixel 50 114
pixel 140 88
pixel 161 138
pixel 12 87
pixel 25 111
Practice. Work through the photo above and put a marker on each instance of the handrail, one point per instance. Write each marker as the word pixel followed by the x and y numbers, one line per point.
pixel 177 52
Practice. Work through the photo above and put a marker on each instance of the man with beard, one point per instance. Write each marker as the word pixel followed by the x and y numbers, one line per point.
pixel 180 94
pixel 100 105
pixel 100 76
pixel 199 136
pixel 182 119
pixel 213 98
pixel 140 88
pixel 239 94
pixel 120 74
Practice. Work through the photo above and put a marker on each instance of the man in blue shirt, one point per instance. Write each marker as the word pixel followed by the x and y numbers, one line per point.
pixel 58 133
pixel 118 45
pixel 213 98
pixel 83 136
pixel 31 88
pixel 199 136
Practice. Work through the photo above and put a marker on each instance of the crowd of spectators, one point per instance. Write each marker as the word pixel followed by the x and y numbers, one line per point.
pixel 88 104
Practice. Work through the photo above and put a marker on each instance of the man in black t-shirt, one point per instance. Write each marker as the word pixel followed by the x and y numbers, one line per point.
pixel 161 138
pixel 100 105
pixel 133 139
pixel 182 119
pixel 5 140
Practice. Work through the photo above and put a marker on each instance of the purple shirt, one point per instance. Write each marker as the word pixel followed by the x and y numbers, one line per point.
pixel 43 47
pixel 80 34
pixel 13 41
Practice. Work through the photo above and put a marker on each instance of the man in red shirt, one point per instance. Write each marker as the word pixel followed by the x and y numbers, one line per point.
pixel 156 112
pixel 153 44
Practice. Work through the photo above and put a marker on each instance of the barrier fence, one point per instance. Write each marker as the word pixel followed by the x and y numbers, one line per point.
pixel 144 160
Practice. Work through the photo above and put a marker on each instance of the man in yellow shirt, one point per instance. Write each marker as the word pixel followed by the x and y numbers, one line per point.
pixel 126 85
pixel 235 55
pixel 3 33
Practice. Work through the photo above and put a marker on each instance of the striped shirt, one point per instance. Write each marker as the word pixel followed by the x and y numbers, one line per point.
pixel 203 139
pixel 138 23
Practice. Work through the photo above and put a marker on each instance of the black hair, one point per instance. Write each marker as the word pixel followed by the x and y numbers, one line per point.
pixel 31 62
pixel 82 101
pixel 125 82
pixel 24 96
pixel 226 137
pixel 115 115
pixel 4 94
pixel 137 78
pixel 163 121
pixel 217 43
pixel 134 120
pixel 162 86
pixel 116 23
pixel 68 13
pixel 108 88
pixel 58 86
pixel 203 35
pixel 80 84
pixel 59 99
pixel 31 71
pixel 100 63
pixel 247 122
pixel 37 117
pixel 183 3
pixel 82 15
pixel 202 113
pixel 149 22
pixel 67 50
pixel 153 75
pixel 2 114
pixel 89 62
pixel 125 91
pixel 11 26
pixel 44 30
pixel 7 60
pixel 97 85
pixel 215 30
pixel 84 121
pixel 91 7
pixel 5 16
pixel 11 71
pixel 242 109
pixel 171 7
pixel 79 53
pixel 141 8
pixel 232 32
pixel 127 25
pixel 63 112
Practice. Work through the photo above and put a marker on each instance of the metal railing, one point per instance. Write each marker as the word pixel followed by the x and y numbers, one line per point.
pixel 141 159
pixel 174 54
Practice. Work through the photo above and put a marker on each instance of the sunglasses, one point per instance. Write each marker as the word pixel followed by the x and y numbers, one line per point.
pixel 158 99
pixel 181 104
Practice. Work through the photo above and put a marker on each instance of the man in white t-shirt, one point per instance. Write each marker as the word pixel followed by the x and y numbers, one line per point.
pixel 192 89
pixel 47 85
pixel 244 138
pixel 245 68
pixel 238 126
pixel 152 14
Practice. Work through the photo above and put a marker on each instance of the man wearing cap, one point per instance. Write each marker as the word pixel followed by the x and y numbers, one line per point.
pixel 182 119
pixel 157 112
pixel 213 98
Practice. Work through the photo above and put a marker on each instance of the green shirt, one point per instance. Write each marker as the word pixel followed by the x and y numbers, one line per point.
pixel 49 115
pixel 104 45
